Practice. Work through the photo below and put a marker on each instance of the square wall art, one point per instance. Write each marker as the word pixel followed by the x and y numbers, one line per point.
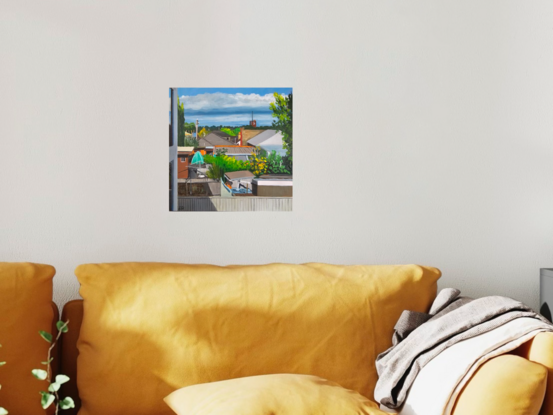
pixel 230 149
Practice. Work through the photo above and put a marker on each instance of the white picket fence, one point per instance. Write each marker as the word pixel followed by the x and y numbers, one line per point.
pixel 235 204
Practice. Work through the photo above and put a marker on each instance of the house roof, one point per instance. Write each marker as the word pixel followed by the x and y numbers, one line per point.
pixel 249 134
pixel 237 149
pixel 190 149
pixel 213 139
pixel 270 140
pixel 261 137
pixel 274 140
pixel 241 174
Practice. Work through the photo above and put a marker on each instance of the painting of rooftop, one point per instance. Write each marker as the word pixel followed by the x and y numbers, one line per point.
pixel 230 149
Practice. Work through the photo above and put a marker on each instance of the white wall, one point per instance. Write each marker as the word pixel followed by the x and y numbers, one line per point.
pixel 442 109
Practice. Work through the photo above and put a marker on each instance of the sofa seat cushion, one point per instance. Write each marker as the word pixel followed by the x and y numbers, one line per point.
pixel 504 385
pixel 25 309
pixel 149 328
pixel 280 394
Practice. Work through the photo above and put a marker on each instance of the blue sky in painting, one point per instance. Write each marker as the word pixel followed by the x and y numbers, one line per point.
pixel 229 106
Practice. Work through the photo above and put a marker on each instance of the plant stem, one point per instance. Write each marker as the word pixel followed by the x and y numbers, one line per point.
pixel 48 369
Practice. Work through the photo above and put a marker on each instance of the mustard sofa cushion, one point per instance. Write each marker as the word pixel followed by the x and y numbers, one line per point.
pixel 151 328
pixel 280 394
pixel 25 308
pixel 505 385
pixel 540 350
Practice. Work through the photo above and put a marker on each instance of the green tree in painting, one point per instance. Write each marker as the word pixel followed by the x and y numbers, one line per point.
pixel 282 114
pixel 181 123
pixel 231 132
pixel 184 127
pixel 203 132
pixel 191 142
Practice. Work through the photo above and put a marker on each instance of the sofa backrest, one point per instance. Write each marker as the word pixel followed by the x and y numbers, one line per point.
pixel 149 329
pixel 25 309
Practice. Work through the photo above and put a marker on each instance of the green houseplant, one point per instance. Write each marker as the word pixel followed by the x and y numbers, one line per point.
pixel 51 396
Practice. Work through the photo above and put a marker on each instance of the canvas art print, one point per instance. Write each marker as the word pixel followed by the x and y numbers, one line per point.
pixel 230 149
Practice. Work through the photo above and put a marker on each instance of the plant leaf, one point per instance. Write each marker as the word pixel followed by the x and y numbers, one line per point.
pixel 3 411
pixel 48 362
pixel 2 363
pixel 45 335
pixel 62 379
pixel 39 374
pixel 54 387
pixel 46 400
pixel 62 326
pixel 67 403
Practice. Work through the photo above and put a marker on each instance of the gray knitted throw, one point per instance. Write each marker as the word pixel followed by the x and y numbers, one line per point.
pixel 419 337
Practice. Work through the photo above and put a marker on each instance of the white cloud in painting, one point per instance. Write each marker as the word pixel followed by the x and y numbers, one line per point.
pixel 235 119
pixel 219 100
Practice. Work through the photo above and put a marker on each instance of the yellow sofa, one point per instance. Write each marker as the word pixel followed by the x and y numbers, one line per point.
pixel 503 386
pixel 145 330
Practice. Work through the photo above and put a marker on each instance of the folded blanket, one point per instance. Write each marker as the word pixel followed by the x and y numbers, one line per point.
pixel 419 338
pixel 439 383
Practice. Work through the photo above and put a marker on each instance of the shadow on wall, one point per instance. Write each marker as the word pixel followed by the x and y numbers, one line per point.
pixel 545 311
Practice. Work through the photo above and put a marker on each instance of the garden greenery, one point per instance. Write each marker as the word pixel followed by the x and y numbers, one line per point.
pixel 226 163
pixel 276 164
pixel 215 172
pixel 258 163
